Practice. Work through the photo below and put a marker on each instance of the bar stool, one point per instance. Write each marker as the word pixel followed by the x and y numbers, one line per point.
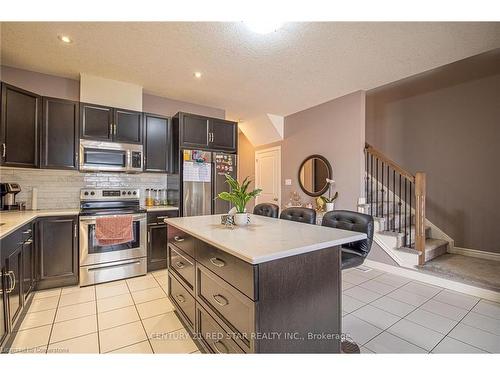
pixel 299 214
pixel 267 209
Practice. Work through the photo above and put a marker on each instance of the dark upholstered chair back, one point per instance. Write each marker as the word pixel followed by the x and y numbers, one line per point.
pixel 299 214
pixel 267 209
pixel 356 222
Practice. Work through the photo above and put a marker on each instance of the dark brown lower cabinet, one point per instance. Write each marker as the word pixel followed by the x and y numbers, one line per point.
pixel 57 248
pixel 3 304
pixel 157 239
pixel 13 270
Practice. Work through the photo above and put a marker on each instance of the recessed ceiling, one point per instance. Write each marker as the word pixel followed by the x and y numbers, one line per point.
pixel 248 74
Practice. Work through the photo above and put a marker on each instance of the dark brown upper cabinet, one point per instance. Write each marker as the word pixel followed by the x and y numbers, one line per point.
pixel 102 123
pixel 96 122
pixel 127 126
pixel 60 134
pixel 208 133
pixel 157 148
pixel 223 135
pixel 19 127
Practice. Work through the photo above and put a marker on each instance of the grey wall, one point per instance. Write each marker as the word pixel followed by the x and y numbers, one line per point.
pixel 447 123
pixel 336 130
pixel 65 88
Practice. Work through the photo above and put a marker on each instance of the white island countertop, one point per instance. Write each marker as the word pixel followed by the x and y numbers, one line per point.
pixel 264 239
pixel 12 220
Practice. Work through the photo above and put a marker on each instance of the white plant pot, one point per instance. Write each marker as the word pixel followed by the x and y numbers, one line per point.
pixel 330 206
pixel 241 219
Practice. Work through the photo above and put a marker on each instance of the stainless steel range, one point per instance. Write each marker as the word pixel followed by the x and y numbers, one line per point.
pixel 103 263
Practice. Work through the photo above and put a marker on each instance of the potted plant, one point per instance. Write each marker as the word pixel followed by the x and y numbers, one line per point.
pixel 330 201
pixel 239 197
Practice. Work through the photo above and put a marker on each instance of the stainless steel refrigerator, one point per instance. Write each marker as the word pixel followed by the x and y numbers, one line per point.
pixel 203 177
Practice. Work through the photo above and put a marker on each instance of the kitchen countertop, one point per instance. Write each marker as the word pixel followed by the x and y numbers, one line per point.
pixel 264 239
pixel 13 220
pixel 161 208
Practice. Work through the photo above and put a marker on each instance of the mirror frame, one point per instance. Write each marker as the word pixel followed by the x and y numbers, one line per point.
pixel 330 172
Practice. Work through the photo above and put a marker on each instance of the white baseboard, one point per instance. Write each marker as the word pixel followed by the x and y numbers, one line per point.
pixel 475 253
pixel 444 283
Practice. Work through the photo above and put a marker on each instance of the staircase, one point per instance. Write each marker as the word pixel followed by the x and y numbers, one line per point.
pixel 396 200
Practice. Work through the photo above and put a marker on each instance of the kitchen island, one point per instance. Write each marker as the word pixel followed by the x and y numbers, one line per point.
pixel 273 286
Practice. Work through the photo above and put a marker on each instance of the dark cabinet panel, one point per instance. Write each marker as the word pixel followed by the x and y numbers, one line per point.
pixel 58 251
pixel 19 127
pixel 13 270
pixel 96 122
pixel 157 247
pixel 3 319
pixel 194 131
pixel 157 239
pixel 127 126
pixel 156 143
pixel 28 276
pixel 224 135
pixel 60 134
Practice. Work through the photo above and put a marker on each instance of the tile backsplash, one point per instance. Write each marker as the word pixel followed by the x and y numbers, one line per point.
pixel 59 189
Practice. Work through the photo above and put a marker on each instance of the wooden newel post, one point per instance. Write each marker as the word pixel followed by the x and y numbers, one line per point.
pixel 420 216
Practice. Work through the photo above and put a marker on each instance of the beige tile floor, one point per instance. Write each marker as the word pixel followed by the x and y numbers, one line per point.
pixel 382 312
pixel 128 316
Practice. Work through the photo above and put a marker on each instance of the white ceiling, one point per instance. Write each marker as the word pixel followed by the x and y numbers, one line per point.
pixel 249 75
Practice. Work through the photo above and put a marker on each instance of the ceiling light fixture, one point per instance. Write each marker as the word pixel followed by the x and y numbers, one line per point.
pixel 263 26
pixel 65 39
pixel 197 74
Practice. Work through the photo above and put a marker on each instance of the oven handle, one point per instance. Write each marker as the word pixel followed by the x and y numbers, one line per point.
pixel 93 218
pixel 114 266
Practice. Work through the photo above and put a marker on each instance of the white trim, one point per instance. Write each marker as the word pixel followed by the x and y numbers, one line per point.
pixel 475 253
pixel 274 148
pixel 444 283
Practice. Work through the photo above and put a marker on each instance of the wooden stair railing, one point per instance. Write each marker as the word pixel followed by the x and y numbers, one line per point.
pixel 385 179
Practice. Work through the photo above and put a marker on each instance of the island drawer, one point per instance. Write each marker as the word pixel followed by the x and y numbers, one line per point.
pixel 181 239
pixel 182 265
pixel 240 274
pixel 214 336
pixel 232 306
pixel 183 300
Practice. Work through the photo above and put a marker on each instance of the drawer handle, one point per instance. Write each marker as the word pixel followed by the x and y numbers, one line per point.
pixel 220 299
pixel 178 239
pixel 217 262
pixel 216 346
pixel 27 231
pixel 180 298
pixel 180 265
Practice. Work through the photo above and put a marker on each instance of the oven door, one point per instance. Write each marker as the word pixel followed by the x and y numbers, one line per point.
pixel 92 253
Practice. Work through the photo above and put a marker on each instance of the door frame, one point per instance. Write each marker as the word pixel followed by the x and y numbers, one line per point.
pixel 260 151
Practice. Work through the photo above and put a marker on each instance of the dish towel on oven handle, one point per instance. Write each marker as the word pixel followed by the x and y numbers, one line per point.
pixel 114 230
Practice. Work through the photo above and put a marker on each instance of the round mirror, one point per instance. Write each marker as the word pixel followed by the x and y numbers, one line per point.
pixel 313 173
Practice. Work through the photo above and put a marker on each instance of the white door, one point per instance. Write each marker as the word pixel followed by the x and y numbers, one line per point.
pixel 268 175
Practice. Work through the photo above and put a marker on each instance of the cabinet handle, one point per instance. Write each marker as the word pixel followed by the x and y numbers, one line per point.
pixel 180 298
pixel 180 265
pixel 28 242
pixel 220 299
pixel 178 239
pixel 161 217
pixel 4 150
pixel 147 235
pixel 27 231
pixel 75 230
pixel 225 350
pixel 110 129
pixel 114 127
pixel 12 278
pixel 217 262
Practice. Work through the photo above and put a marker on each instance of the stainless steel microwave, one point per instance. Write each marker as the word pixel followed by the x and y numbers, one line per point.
pixel 110 156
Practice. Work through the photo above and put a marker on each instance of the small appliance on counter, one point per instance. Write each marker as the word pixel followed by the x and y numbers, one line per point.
pixel 8 192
